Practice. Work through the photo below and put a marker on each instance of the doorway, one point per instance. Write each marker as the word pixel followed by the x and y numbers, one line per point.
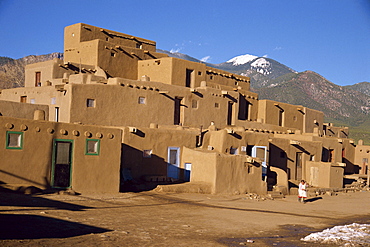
pixel 173 162
pixel 177 111
pixel 230 120
pixel 298 166
pixel 261 153
pixel 62 163
pixel 187 172
pixel 189 81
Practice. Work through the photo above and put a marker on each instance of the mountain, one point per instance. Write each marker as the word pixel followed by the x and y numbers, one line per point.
pixel 363 87
pixel 314 91
pixel 261 70
pixel 12 70
pixel 179 55
pixel 343 106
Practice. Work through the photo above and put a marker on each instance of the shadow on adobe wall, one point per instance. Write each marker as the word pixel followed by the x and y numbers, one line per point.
pixel 350 167
pixel 144 172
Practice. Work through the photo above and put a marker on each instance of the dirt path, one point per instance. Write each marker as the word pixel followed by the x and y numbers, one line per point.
pixel 159 219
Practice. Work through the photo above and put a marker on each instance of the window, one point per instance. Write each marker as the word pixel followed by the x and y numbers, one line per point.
pixel 56 114
pixel 194 104
pixel 281 117
pixel 141 100
pixel 112 54
pixel 217 105
pixel 249 150
pixel 32 101
pixel 90 102
pixel 53 100
pixel 14 140
pixel 199 72
pixel 23 99
pixel 249 167
pixel 233 150
pixel 92 147
pixel 139 46
pixel 147 153
pixel 38 79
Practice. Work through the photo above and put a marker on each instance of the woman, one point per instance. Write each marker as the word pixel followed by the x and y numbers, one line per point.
pixel 302 193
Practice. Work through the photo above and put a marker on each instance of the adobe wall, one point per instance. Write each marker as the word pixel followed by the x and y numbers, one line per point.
pixel 173 71
pixel 32 164
pixel 313 119
pixel 222 141
pixel 349 156
pixel 283 154
pixel 324 175
pixel 203 168
pixel 228 174
pixel 298 117
pixel 46 95
pixel 21 110
pixel 80 32
pixel 224 78
pixel 50 70
pixel 334 131
pixel 117 104
pixel 235 175
pixel 332 144
pixel 362 157
pixel 117 53
pixel 158 140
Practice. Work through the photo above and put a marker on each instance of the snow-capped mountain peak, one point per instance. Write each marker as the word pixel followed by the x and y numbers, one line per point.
pixel 242 59
pixel 262 66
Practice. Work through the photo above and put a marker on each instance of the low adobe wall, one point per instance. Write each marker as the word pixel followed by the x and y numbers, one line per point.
pixel 324 174
pixel 227 174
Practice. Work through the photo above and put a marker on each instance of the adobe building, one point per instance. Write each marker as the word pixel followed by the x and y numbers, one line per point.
pixel 61 155
pixel 172 120
pixel 362 158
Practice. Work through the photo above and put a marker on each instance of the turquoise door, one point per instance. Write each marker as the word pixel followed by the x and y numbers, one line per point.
pixel 62 163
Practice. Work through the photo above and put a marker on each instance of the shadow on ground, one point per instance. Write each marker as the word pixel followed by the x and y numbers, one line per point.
pixel 9 198
pixel 15 226
pixel 313 199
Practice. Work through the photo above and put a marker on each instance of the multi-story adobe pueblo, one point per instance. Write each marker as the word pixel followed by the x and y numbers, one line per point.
pixel 115 112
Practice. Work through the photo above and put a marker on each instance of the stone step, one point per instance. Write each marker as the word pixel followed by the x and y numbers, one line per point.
pixel 275 194
pixel 202 188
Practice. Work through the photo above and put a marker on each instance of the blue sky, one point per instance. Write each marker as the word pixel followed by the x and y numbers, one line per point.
pixel 330 37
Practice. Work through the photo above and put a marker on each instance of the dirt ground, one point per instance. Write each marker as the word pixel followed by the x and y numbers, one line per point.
pixel 168 219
